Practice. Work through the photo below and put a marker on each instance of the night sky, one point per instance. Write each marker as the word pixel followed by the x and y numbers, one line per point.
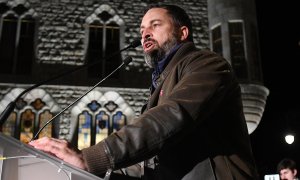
pixel 279 35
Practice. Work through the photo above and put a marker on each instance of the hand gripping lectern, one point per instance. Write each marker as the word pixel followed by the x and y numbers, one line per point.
pixel 20 161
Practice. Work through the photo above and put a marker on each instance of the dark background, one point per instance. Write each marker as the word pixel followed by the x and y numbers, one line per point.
pixel 279 36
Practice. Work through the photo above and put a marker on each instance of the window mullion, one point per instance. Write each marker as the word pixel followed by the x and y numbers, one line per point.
pixel 15 57
pixel 104 51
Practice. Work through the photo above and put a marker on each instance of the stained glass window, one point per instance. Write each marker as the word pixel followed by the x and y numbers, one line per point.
pixel 119 120
pixel 38 104
pixel 99 115
pixel 30 114
pixel 43 118
pixel 111 106
pixel 10 125
pixel 94 106
pixel 102 126
pixel 27 125
pixel 84 130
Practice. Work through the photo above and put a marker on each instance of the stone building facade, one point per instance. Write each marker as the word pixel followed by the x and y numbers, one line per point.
pixel 61 42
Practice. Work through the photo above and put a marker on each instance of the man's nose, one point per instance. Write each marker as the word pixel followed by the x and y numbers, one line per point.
pixel 145 38
pixel 146 34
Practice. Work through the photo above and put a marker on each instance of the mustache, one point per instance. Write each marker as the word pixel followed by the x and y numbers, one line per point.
pixel 148 39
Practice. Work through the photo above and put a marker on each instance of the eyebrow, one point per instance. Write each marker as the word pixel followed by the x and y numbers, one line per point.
pixel 151 22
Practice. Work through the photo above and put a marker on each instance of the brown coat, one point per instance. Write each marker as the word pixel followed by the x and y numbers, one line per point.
pixel 193 123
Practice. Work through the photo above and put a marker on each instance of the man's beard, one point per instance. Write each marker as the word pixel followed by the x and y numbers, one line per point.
pixel 156 55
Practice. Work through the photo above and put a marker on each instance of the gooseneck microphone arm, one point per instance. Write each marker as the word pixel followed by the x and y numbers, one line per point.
pixel 11 106
pixel 125 62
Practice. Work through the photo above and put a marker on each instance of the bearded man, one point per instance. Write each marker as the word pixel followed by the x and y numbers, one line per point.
pixel 193 126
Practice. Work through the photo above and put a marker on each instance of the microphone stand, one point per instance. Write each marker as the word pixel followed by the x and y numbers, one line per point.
pixel 125 62
pixel 11 106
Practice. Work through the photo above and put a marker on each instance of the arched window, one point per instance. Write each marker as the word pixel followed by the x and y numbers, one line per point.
pixel 102 126
pixel 7 43
pixel 119 120
pixel 26 127
pixel 97 115
pixel 84 129
pixel 10 125
pixel 49 130
pixel 17 30
pixel 104 28
pixel 31 113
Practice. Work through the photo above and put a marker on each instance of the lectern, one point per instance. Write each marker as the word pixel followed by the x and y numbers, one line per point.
pixel 20 161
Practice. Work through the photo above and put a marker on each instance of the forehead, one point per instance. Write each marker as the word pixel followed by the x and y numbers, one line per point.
pixel 156 14
pixel 284 171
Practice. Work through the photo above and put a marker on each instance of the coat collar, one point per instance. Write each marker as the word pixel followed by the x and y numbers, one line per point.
pixel 178 57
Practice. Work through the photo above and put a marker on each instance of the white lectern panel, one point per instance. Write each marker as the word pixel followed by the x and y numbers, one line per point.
pixel 20 161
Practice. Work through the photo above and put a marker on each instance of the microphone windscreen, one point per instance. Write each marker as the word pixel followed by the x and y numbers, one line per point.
pixel 136 43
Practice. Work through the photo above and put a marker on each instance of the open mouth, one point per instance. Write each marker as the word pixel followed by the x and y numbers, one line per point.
pixel 148 45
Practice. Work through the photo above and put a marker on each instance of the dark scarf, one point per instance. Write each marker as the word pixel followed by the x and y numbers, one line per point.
pixel 160 66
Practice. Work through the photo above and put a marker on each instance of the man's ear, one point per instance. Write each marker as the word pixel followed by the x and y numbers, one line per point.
pixel 295 172
pixel 184 33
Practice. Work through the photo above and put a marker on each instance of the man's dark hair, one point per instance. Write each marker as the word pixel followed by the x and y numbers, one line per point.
pixel 286 164
pixel 179 16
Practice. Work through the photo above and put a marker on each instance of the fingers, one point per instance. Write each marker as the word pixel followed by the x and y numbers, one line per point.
pixel 51 145
pixel 61 149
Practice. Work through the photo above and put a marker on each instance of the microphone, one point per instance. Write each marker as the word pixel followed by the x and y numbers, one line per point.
pixel 126 61
pixel 11 106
